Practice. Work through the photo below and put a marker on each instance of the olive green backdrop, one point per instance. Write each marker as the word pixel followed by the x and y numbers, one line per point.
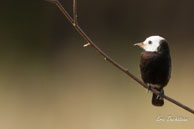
pixel 49 81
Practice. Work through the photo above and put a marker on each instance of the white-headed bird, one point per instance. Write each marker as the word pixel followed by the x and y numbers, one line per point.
pixel 155 65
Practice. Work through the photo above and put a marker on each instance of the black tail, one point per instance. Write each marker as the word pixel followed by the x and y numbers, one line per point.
pixel 157 100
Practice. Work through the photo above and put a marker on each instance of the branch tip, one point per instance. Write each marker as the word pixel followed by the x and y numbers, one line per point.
pixel 75 11
pixel 74 24
pixel 85 45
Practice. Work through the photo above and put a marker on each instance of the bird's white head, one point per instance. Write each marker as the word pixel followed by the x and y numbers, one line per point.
pixel 151 43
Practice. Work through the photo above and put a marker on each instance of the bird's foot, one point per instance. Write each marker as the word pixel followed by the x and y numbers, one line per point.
pixel 149 88
pixel 162 94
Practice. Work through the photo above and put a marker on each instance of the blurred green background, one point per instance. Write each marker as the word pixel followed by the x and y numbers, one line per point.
pixel 49 81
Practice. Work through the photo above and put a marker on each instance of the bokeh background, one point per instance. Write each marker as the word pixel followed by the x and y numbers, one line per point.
pixel 49 81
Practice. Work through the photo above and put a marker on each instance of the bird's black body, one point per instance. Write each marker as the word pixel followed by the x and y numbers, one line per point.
pixel 156 69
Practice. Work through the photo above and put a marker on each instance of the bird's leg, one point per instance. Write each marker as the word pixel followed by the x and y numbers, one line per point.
pixel 149 88
pixel 162 93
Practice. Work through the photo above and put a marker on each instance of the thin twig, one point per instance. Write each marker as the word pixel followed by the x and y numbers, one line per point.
pixel 75 12
pixel 106 57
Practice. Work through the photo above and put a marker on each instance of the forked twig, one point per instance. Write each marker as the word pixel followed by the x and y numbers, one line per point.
pixel 106 57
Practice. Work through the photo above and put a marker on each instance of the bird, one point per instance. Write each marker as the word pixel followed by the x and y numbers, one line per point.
pixel 155 65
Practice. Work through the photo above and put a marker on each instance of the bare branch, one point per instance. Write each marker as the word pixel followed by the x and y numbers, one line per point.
pixel 65 13
pixel 106 57
pixel 75 12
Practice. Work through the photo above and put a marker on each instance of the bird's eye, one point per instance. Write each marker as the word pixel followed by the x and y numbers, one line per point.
pixel 150 42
